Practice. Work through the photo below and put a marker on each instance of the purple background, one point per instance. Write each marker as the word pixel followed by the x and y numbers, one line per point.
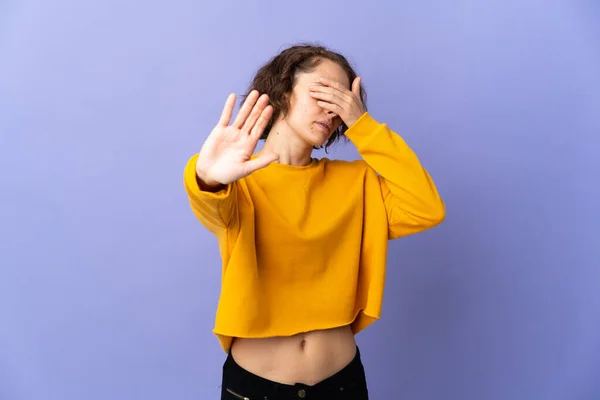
pixel 108 285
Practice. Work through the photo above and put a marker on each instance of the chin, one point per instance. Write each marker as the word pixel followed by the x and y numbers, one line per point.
pixel 319 142
pixel 318 139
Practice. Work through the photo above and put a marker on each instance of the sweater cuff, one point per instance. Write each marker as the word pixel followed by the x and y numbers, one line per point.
pixel 363 130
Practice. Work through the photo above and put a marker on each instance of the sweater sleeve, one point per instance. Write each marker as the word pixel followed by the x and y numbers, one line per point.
pixel 411 199
pixel 214 210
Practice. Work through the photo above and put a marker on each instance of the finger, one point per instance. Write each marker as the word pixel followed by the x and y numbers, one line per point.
pixel 356 86
pixel 330 97
pixel 330 90
pixel 227 110
pixel 246 108
pixel 333 84
pixel 340 91
pixel 262 102
pixel 331 107
pixel 261 124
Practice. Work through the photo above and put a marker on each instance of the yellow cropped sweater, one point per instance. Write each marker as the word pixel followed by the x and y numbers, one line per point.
pixel 304 247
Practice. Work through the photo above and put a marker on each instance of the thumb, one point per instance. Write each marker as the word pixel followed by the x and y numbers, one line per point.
pixel 356 86
pixel 261 161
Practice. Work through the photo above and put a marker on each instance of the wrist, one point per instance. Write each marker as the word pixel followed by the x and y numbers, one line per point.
pixel 207 183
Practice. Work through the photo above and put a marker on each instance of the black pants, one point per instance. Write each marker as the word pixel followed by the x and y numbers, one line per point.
pixel 347 384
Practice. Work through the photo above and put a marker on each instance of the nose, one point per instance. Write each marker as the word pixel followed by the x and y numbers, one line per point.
pixel 332 115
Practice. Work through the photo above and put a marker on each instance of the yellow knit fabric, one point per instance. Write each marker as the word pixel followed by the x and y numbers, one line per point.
pixel 304 247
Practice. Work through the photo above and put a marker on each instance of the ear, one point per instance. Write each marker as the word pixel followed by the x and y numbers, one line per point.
pixel 287 96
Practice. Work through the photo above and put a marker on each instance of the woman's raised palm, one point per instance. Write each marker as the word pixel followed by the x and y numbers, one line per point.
pixel 226 154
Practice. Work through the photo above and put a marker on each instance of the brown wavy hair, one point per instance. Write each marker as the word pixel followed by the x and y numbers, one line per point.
pixel 277 78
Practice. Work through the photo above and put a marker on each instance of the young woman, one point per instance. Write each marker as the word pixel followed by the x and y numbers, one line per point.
pixel 303 241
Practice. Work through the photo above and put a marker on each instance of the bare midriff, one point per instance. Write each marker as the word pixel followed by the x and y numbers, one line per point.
pixel 307 358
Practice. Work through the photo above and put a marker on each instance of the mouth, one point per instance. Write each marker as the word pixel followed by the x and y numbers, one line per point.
pixel 325 126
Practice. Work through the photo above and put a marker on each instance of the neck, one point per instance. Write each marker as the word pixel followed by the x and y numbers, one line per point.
pixel 285 142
